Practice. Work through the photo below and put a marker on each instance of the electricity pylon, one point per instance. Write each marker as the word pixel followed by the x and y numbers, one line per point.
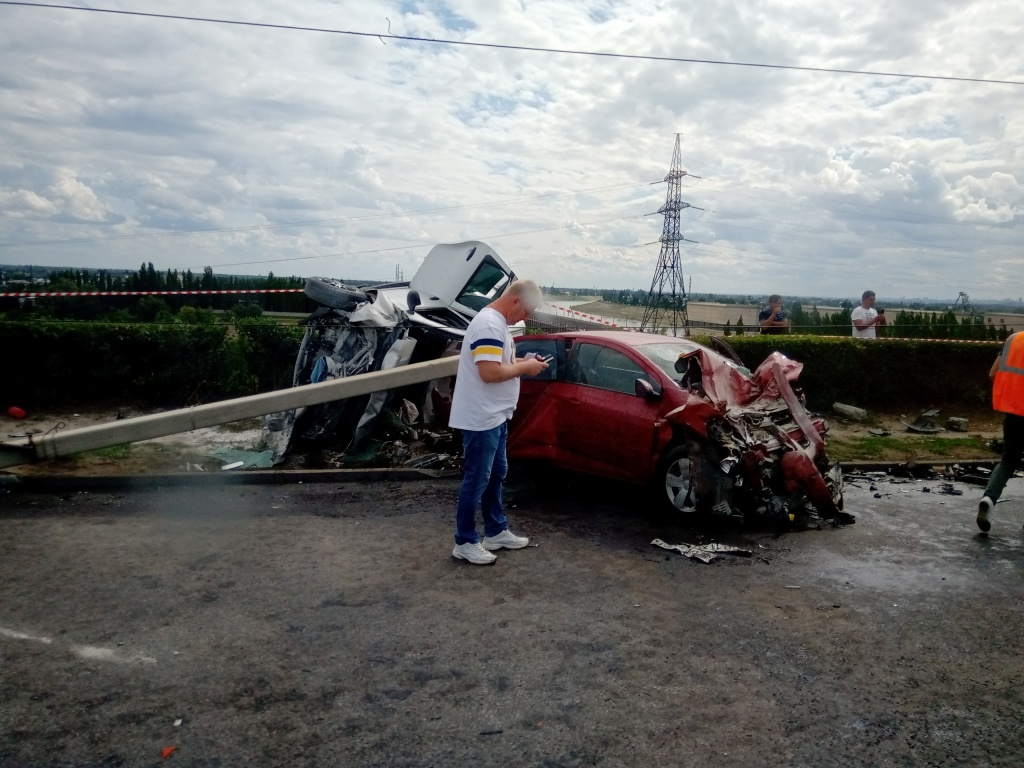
pixel 666 301
pixel 963 300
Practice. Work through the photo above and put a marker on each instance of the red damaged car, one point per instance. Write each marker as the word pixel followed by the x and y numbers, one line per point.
pixel 709 435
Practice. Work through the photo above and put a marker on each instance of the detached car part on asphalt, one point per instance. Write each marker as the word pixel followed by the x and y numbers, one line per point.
pixel 369 328
pixel 705 432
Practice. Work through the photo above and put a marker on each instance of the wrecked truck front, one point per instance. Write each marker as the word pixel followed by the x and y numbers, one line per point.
pixel 768 452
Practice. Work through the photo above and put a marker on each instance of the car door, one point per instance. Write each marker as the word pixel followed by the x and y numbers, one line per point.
pixel 603 427
pixel 532 434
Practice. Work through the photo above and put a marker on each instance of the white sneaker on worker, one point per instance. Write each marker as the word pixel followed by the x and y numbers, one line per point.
pixel 473 553
pixel 505 539
pixel 984 507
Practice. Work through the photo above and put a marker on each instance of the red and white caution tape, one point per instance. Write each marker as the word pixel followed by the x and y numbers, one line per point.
pixel 55 294
pixel 570 311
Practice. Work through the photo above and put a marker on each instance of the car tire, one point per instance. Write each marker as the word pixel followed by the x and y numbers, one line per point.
pixel 334 294
pixel 673 483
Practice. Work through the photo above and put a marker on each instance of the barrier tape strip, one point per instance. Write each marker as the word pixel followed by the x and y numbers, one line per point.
pixel 51 294
pixel 584 316
pixel 567 310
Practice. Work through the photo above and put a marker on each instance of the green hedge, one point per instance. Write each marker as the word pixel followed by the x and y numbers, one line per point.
pixel 881 372
pixel 50 364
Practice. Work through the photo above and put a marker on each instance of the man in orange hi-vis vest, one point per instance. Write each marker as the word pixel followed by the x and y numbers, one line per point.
pixel 1007 376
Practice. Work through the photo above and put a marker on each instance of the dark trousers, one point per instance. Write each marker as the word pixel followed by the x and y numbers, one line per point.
pixel 1013 450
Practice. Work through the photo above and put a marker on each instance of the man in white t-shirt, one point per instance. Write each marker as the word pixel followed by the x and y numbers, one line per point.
pixel 486 393
pixel 865 318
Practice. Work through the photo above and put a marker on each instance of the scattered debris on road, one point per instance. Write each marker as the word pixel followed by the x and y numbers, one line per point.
pixel 706 553
pixel 850 411
pixel 925 423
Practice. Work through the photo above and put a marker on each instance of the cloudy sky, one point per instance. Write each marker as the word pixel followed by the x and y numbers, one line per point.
pixel 126 139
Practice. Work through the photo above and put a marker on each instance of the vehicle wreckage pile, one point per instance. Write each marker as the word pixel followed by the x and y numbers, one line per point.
pixel 357 330
pixel 690 421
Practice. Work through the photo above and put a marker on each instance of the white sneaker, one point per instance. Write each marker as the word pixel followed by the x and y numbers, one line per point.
pixel 473 553
pixel 984 507
pixel 505 539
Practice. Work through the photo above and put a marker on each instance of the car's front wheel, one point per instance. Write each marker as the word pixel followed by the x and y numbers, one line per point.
pixel 675 480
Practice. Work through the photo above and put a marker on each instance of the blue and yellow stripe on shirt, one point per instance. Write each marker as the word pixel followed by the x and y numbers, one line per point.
pixel 494 347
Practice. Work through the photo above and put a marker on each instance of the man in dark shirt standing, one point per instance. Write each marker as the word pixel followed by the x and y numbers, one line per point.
pixel 773 319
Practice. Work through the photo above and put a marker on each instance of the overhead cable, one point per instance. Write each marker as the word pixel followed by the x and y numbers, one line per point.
pixel 508 47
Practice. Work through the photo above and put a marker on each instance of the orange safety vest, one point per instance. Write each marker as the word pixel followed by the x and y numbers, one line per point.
pixel 1008 390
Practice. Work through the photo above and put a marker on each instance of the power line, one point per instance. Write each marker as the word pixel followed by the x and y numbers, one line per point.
pixel 841 267
pixel 490 237
pixel 857 241
pixel 901 211
pixel 508 47
pixel 317 222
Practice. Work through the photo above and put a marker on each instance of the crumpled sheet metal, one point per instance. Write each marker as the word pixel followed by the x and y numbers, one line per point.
pixel 727 389
pixel 372 337
pixel 705 552
pixel 924 424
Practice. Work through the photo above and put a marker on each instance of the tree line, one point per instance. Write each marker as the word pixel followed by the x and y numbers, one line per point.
pixel 169 308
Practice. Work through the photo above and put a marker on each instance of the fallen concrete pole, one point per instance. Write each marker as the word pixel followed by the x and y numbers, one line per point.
pixel 55 444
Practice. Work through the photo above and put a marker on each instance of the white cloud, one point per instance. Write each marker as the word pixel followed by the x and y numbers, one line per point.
pixel 21 202
pixel 812 182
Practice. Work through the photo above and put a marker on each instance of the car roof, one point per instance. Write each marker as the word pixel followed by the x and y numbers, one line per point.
pixel 629 338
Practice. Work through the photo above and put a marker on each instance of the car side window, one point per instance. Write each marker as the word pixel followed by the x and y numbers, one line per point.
pixel 605 368
pixel 541 348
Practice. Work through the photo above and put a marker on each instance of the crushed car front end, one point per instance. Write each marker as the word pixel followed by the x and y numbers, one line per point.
pixel 751 446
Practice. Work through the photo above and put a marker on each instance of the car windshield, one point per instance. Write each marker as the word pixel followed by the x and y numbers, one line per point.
pixel 665 354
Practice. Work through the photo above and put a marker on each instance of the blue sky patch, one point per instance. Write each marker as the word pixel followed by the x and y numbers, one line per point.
pixel 441 11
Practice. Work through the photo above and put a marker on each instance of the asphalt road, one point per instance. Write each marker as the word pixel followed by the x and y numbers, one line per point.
pixel 328 625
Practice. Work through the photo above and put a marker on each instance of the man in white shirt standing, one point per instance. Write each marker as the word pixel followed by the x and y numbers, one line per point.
pixel 486 393
pixel 865 317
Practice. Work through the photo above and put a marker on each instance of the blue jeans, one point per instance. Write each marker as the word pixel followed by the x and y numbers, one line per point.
pixel 484 470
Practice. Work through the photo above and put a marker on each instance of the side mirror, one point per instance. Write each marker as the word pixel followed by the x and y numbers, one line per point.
pixel 645 389
pixel 413 300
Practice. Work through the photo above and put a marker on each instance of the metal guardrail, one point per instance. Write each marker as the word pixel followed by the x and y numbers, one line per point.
pixel 56 444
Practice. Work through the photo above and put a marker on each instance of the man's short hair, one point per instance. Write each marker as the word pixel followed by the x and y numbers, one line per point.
pixel 867 295
pixel 773 298
pixel 528 291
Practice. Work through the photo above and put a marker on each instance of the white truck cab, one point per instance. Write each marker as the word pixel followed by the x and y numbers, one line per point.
pixel 454 282
pixel 463 276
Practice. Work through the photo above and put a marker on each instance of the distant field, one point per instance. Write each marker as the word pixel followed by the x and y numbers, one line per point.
pixel 608 309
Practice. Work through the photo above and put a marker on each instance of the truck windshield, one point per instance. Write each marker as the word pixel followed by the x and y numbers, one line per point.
pixel 484 286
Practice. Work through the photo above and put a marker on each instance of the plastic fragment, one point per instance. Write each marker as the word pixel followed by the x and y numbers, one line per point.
pixel 166 752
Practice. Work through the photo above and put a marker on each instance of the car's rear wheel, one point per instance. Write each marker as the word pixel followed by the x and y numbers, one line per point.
pixel 334 294
pixel 676 482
